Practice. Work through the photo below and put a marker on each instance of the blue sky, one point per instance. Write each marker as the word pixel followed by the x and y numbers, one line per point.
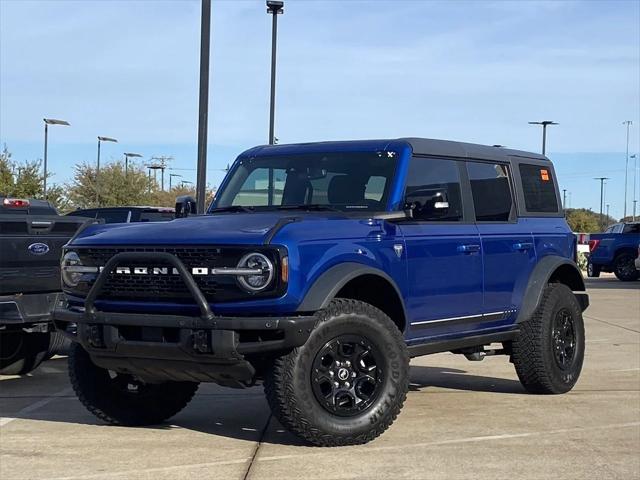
pixel 464 70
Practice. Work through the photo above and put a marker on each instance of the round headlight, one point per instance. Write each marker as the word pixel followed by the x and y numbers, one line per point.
pixel 70 278
pixel 256 282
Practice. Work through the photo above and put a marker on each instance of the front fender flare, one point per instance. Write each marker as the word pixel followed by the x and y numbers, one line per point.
pixel 540 277
pixel 327 286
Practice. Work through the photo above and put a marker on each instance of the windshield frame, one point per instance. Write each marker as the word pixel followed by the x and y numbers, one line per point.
pixel 348 209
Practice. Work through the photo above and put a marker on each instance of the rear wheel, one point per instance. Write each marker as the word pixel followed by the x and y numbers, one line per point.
pixel 21 352
pixel 347 383
pixel 122 399
pixel 549 350
pixel 624 267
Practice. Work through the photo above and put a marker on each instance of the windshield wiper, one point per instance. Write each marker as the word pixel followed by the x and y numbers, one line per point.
pixel 311 206
pixel 233 208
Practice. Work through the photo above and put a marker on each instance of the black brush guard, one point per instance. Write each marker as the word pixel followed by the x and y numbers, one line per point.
pixel 156 347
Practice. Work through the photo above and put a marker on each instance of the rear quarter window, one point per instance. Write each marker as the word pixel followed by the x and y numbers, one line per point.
pixel 539 189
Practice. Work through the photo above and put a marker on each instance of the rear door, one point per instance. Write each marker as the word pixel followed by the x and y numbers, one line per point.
pixel 444 263
pixel 507 243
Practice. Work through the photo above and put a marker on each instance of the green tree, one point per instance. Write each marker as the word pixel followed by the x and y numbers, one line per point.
pixel 25 180
pixel 586 221
pixel 115 187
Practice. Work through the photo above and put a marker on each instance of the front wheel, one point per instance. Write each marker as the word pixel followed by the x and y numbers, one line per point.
pixel 549 349
pixel 624 267
pixel 593 270
pixel 122 399
pixel 347 383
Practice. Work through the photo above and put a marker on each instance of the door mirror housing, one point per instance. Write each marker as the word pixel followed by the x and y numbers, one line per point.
pixel 185 206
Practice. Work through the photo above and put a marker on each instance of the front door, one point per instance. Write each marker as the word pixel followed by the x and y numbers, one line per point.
pixel 444 261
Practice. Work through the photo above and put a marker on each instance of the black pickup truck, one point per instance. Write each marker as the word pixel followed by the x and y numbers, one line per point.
pixel 31 238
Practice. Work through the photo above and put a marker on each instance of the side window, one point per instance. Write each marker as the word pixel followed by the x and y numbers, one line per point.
pixel 617 228
pixel 631 228
pixel 433 190
pixel 538 188
pixel 491 191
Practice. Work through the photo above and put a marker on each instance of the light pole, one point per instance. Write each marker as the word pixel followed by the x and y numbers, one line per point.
pixel 628 123
pixel 635 181
pixel 101 139
pixel 544 124
pixel 171 175
pixel 602 180
pixel 608 210
pixel 47 122
pixel 564 198
pixel 274 8
pixel 203 112
pixel 126 161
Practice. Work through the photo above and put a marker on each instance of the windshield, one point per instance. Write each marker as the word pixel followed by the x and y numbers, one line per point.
pixel 345 181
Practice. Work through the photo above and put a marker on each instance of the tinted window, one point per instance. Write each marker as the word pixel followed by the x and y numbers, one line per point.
pixel 538 188
pixel 631 228
pixel 491 191
pixel 431 184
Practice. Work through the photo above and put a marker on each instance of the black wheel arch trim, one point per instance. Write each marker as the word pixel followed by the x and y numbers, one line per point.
pixel 540 277
pixel 327 286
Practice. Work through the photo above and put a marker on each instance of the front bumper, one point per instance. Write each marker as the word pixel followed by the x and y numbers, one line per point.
pixel 20 310
pixel 157 347
pixel 170 347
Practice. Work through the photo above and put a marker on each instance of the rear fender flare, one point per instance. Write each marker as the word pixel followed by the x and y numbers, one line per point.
pixel 540 277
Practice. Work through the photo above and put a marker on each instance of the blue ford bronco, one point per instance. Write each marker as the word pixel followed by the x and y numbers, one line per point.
pixel 319 270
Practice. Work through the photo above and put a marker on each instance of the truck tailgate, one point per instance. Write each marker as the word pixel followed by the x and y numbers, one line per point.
pixel 30 251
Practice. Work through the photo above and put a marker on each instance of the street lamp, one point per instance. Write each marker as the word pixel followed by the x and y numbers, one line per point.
pixel 101 139
pixel 171 175
pixel 274 8
pixel 126 161
pixel 544 124
pixel 602 180
pixel 628 123
pixel 203 107
pixel 47 122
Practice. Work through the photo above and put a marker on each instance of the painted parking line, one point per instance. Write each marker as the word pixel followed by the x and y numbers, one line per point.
pixel 348 451
pixel 35 406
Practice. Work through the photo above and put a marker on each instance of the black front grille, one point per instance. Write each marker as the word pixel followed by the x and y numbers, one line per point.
pixel 170 286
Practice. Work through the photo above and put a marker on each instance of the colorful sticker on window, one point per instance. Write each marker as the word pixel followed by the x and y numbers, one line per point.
pixel 544 174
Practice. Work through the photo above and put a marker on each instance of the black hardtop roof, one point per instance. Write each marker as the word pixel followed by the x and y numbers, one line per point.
pixel 420 146
pixel 449 148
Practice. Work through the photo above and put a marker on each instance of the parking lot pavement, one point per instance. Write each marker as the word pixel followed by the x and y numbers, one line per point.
pixel 461 420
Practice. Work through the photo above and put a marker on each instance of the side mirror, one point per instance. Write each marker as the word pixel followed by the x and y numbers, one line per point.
pixel 428 204
pixel 185 206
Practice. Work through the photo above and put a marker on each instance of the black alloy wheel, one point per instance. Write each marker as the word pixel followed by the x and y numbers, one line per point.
pixel 347 374
pixel 564 339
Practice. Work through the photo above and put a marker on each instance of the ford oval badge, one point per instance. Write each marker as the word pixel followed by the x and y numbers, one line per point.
pixel 38 248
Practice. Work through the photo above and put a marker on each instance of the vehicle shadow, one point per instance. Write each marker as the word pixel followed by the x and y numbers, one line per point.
pixel 234 414
pixel 610 283
pixel 455 379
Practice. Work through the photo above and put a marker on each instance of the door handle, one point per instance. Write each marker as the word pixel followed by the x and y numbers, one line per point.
pixel 522 246
pixel 468 248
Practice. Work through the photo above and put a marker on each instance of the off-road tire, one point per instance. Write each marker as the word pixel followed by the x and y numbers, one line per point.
pixel 288 382
pixel 22 352
pixel 97 391
pixel 593 271
pixel 624 267
pixel 534 349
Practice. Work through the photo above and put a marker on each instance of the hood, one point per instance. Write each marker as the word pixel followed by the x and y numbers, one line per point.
pixel 223 229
